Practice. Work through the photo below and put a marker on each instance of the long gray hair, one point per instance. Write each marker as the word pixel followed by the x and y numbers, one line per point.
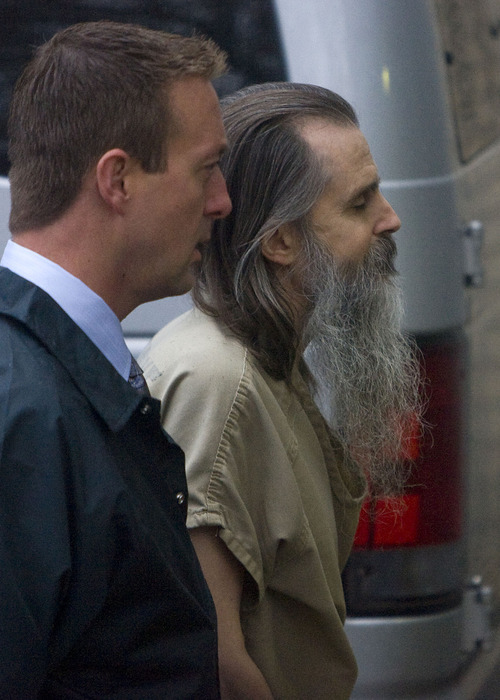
pixel 273 178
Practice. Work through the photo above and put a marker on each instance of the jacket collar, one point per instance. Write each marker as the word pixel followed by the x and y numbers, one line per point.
pixel 110 395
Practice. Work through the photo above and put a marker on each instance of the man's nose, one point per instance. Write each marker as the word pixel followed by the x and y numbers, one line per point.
pixel 218 204
pixel 389 221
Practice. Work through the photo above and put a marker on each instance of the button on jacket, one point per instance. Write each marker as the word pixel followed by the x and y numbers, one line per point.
pixel 101 594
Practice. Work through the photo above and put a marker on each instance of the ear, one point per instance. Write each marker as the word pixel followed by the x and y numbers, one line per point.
pixel 283 247
pixel 112 171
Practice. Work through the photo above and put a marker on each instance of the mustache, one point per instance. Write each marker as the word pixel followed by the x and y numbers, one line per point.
pixel 378 262
pixel 382 256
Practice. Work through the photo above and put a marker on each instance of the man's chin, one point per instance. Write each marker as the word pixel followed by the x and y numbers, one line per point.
pixel 183 284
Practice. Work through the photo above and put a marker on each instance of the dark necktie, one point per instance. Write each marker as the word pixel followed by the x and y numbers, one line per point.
pixel 136 379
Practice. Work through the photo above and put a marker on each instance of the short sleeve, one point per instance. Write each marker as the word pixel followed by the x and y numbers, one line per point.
pixel 216 405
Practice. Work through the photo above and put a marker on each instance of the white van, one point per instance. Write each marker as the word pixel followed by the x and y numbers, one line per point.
pixel 424 78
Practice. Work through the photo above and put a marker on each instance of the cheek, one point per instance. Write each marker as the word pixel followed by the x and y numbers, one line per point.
pixel 351 251
pixel 345 237
pixel 365 240
pixel 353 245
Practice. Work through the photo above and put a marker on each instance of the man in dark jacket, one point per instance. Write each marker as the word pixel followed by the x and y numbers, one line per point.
pixel 115 140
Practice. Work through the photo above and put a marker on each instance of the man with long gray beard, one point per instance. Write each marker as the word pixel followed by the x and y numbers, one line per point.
pixel 305 261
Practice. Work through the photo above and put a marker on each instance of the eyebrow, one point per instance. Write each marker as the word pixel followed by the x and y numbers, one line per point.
pixel 216 153
pixel 371 187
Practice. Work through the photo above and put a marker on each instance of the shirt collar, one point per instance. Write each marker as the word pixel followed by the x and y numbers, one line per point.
pixel 87 309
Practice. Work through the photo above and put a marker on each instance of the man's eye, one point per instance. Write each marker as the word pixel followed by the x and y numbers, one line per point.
pixel 359 204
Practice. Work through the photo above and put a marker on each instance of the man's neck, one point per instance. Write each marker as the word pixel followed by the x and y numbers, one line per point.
pixel 71 247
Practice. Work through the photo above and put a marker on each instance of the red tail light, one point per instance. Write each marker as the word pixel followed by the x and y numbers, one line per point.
pixel 430 511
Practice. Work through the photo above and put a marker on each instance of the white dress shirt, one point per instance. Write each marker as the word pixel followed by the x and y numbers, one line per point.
pixel 86 308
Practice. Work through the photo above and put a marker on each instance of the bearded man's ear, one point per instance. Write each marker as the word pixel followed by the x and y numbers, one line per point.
pixel 283 246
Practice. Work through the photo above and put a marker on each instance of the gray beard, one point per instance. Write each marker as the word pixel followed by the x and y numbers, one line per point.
pixel 365 369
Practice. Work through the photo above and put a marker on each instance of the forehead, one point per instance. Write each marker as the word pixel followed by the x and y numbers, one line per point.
pixel 195 108
pixel 344 155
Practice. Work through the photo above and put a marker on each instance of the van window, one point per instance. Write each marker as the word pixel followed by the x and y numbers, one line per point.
pixel 245 29
pixel 470 34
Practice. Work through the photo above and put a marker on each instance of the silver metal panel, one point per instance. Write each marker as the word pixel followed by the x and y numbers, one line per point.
pixel 148 318
pixel 398 654
pixel 383 57
pixel 430 252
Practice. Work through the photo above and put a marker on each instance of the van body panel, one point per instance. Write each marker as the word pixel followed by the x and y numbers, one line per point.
pixel 376 55
pixel 430 252
pixel 406 655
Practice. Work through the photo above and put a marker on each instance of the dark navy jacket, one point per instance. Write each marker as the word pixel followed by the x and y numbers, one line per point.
pixel 101 595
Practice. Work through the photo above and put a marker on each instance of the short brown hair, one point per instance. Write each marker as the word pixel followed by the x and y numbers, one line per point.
pixel 92 87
